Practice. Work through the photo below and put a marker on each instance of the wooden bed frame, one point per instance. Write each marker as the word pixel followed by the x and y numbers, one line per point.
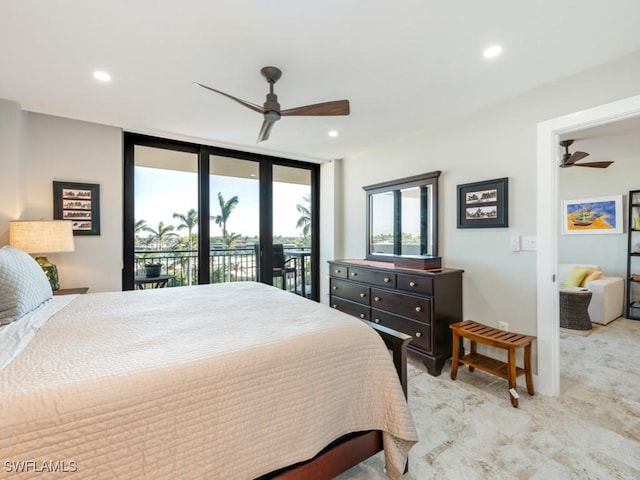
pixel 349 450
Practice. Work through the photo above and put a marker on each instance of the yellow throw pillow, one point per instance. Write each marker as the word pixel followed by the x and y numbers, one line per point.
pixel 575 277
pixel 591 275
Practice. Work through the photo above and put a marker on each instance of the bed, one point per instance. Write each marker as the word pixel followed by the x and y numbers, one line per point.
pixel 233 381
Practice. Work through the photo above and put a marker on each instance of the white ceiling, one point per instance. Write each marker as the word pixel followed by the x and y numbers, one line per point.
pixel 405 66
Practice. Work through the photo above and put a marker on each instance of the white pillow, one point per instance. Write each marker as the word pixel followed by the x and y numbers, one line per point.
pixel 23 285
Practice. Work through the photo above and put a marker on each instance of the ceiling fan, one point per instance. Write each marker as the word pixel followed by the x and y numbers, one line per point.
pixel 570 159
pixel 271 108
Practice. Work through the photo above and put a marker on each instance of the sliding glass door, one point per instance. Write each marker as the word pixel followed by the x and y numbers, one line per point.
pixel 234 206
pixel 165 216
pixel 201 214
pixel 292 228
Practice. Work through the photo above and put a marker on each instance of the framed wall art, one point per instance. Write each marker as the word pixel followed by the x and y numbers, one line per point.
pixel 80 203
pixel 595 215
pixel 484 204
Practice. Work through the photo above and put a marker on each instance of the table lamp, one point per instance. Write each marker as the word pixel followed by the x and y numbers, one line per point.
pixel 38 237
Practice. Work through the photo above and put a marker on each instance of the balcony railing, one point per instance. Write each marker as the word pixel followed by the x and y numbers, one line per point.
pixel 225 265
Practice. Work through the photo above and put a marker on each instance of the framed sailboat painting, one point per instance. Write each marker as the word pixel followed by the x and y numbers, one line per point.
pixel 592 215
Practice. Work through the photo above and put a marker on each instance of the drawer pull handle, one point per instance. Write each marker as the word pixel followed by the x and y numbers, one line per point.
pixel 362 315
pixel 335 288
pixel 338 271
pixel 354 274
pixel 377 320
pixel 335 306
pixel 412 284
pixel 376 299
pixel 418 334
pixel 387 279
pixel 418 309
pixel 362 295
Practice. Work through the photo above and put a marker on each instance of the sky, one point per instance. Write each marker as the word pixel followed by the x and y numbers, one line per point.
pixel 161 193
pixel 382 221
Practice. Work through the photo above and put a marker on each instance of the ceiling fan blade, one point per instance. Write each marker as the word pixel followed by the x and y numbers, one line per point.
pixel 252 106
pixel 575 157
pixel 593 164
pixel 337 107
pixel 265 130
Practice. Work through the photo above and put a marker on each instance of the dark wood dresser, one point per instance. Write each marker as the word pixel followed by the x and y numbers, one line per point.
pixel 416 302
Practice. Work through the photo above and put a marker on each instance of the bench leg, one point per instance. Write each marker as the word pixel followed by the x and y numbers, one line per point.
pixel 511 365
pixel 455 354
pixel 527 369
pixel 474 349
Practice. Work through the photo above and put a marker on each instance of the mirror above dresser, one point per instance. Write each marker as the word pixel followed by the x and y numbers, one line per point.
pixel 402 221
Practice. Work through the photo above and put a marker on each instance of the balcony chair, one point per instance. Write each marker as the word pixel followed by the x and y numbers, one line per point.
pixel 282 267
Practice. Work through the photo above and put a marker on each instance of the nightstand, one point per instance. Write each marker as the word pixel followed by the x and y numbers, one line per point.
pixel 71 291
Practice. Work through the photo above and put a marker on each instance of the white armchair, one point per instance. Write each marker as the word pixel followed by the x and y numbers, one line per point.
pixel 607 302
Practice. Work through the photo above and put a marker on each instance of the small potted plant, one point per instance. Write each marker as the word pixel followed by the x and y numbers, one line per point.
pixel 152 270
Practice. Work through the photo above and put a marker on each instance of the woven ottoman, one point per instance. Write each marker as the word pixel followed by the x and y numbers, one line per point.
pixel 574 305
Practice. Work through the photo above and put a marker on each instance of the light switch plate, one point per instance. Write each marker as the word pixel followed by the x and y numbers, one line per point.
pixel 529 243
pixel 515 243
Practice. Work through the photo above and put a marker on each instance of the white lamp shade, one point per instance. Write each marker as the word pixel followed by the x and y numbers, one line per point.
pixel 41 236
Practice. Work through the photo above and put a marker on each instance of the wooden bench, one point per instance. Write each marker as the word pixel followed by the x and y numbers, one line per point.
pixel 479 333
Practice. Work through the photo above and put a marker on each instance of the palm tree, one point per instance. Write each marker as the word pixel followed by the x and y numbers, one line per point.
pixel 140 241
pixel 161 235
pixel 188 221
pixel 232 238
pixel 226 207
pixel 304 221
pixel 138 227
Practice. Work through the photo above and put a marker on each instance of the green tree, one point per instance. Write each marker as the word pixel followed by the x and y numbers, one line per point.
pixel 304 209
pixel 226 207
pixel 188 221
pixel 161 235
pixel 232 238
pixel 138 227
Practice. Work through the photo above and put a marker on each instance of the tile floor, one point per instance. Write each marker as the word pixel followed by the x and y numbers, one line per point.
pixel 468 429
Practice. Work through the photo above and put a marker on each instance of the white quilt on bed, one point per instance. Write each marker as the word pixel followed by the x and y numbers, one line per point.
pixel 227 381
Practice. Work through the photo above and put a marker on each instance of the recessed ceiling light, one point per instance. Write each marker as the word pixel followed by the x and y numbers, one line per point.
pixel 492 51
pixel 102 76
pixel 333 133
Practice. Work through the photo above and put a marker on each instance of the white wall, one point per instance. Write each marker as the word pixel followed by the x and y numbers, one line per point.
pixel 54 148
pixel 606 250
pixel 331 220
pixel 499 285
pixel 11 171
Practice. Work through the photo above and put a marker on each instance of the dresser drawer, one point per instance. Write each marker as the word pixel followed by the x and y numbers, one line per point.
pixel 420 332
pixel 350 291
pixel 415 283
pixel 418 308
pixel 419 303
pixel 374 277
pixel 352 308
pixel 337 271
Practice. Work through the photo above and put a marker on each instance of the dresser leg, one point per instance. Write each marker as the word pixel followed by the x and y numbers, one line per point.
pixel 434 365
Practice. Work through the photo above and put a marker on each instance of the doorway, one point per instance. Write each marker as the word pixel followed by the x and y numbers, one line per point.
pixel 548 335
pixel 203 214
